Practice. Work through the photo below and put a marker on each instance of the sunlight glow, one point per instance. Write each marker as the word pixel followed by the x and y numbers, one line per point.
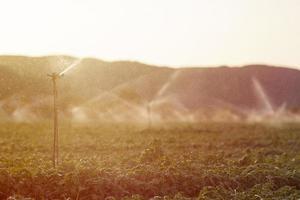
pixel 165 32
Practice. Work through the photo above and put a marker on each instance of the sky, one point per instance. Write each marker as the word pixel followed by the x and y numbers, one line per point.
pixel 161 32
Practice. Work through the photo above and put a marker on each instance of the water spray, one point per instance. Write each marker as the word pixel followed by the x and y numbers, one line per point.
pixel 159 94
pixel 263 97
pixel 74 64
pixel 54 77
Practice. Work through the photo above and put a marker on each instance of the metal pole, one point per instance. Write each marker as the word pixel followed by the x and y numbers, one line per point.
pixel 149 110
pixel 54 77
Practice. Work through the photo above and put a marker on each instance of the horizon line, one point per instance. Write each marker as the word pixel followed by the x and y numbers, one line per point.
pixel 155 64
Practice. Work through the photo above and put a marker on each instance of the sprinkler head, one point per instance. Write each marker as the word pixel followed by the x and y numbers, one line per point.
pixel 54 75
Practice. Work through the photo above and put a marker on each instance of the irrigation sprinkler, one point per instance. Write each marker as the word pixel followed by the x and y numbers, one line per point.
pixel 159 94
pixel 54 77
pixel 149 113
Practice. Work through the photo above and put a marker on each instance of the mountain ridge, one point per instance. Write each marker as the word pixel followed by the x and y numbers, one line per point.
pixel 24 86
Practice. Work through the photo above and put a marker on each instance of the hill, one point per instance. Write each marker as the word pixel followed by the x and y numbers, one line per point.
pixel 133 91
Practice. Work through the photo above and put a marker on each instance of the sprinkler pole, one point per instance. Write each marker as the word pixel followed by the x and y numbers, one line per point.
pixel 149 111
pixel 54 77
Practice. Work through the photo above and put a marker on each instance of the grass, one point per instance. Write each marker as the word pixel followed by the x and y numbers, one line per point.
pixel 105 161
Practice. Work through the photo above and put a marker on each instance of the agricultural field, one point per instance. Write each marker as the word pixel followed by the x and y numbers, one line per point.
pixel 108 161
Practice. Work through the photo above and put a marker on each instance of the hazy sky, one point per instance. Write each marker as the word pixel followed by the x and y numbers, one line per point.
pixel 165 32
